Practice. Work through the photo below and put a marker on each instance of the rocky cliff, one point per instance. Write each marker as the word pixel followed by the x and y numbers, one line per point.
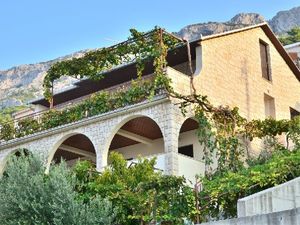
pixel 194 31
pixel 22 83
pixel 283 21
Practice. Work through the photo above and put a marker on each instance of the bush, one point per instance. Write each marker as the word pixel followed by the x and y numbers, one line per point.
pixel 222 191
pixel 28 196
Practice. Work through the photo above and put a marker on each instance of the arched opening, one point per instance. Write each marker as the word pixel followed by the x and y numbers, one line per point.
pixel 188 143
pixel 140 136
pixel 74 148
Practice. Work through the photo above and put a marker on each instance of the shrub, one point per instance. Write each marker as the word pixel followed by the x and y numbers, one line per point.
pixel 28 196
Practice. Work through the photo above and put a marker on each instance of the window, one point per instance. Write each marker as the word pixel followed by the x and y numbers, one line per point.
pixel 294 113
pixel 265 60
pixel 269 106
pixel 186 150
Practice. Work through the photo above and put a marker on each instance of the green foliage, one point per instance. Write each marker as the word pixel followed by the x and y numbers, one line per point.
pixel 5 114
pixel 27 126
pixel 139 48
pixel 7 131
pixel 220 133
pixel 293 133
pixel 292 36
pixel 141 194
pixel 221 191
pixel 28 196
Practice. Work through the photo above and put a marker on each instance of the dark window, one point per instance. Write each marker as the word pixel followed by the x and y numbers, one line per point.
pixel 294 113
pixel 265 60
pixel 186 150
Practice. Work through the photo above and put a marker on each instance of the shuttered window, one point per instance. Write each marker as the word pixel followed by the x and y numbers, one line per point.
pixel 265 61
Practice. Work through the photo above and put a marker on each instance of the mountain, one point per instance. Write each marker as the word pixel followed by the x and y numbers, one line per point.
pixel 194 31
pixel 22 83
pixel 283 21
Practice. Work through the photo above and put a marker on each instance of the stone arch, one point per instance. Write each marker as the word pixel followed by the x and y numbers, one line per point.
pixel 71 147
pixel 127 129
pixel 188 143
pixel 9 154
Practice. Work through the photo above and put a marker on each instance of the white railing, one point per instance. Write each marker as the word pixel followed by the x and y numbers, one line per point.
pixel 190 167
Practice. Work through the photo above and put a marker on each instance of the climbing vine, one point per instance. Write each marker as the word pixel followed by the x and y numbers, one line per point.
pixel 139 48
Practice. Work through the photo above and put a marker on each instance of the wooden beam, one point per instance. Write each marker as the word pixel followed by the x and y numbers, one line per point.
pixel 78 151
pixel 134 137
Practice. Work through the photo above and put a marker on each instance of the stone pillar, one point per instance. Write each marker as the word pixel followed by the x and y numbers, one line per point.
pixel 100 137
pixel 172 124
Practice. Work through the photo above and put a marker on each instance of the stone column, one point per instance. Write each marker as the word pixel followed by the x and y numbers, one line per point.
pixel 172 124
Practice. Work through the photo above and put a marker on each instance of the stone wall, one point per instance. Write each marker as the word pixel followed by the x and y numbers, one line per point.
pixel 282 197
pixel 289 217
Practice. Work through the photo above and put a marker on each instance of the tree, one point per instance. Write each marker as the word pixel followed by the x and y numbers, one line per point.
pixel 142 194
pixel 292 36
pixel 28 196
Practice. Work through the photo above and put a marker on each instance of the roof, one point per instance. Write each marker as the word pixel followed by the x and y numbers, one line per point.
pixel 268 31
pixel 294 55
pixel 115 76
pixel 292 45
pixel 127 72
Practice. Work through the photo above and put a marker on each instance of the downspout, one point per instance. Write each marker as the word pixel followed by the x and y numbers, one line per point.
pixel 198 61
pixel 198 64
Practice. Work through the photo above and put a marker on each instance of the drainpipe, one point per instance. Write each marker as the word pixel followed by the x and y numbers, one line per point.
pixel 198 65
pixel 198 61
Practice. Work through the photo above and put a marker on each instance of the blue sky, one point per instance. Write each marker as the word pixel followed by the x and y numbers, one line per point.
pixel 40 30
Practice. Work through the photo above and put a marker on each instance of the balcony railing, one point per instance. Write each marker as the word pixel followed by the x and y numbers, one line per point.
pixel 187 166
pixel 113 89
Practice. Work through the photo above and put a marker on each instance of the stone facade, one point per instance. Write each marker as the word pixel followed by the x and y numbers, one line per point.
pixel 231 75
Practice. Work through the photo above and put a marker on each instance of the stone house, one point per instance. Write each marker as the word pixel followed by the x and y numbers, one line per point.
pixel 294 52
pixel 247 68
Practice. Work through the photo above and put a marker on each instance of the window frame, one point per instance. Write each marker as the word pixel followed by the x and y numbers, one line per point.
pixel 267 60
pixel 270 106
